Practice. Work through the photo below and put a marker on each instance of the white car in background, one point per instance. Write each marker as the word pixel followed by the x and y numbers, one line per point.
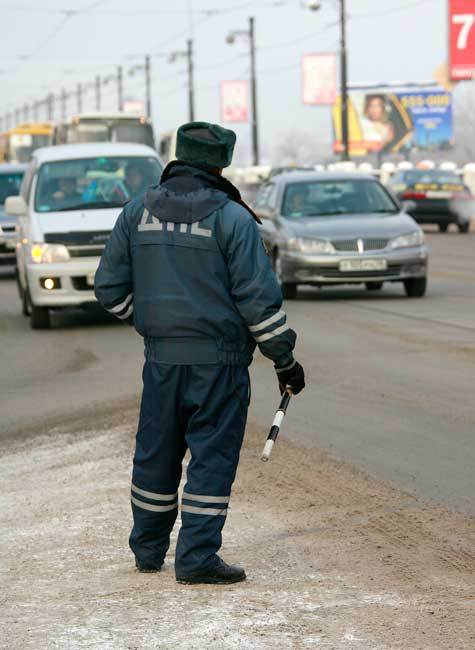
pixel 69 201
pixel 11 175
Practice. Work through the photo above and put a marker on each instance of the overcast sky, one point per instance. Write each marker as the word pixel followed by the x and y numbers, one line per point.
pixel 44 48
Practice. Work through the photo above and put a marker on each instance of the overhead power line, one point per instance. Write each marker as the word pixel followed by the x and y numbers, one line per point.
pixel 390 10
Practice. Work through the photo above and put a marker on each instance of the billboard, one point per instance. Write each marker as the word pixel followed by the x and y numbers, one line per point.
pixel 234 101
pixel 383 121
pixel 319 79
pixel 462 39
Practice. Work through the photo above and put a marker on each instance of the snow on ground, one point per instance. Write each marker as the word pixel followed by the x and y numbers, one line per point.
pixel 334 559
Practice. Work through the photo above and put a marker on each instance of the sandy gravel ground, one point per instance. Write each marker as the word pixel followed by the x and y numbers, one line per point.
pixel 334 558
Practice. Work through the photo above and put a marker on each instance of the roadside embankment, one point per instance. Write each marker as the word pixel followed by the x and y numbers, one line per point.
pixel 334 558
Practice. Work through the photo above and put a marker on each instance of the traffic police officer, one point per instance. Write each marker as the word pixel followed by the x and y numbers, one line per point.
pixel 186 262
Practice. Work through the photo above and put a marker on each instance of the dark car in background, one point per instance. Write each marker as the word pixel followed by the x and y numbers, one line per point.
pixel 439 197
pixel 11 176
pixel 330 229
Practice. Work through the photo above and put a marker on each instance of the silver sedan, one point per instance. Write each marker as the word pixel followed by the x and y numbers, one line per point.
pixel 329 229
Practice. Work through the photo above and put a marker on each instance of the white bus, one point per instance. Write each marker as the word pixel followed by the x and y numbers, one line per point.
pixel 102 127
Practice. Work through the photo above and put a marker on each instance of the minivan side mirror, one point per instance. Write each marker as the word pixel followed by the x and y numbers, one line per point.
pixel 408 206
pixel 15 206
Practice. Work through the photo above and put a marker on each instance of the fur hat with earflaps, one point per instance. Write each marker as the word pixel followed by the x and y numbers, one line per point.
pixel 207 144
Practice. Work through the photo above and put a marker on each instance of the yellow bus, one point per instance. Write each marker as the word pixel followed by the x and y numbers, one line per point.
pixel 17 144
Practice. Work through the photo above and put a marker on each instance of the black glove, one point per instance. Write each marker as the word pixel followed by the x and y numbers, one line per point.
pixel 293 376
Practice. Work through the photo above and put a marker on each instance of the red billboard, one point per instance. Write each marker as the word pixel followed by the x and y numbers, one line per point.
pixel 319 79
pixel 462 39
pixel 234 101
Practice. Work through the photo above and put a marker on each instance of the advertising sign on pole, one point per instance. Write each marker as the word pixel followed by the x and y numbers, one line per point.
pixel 385 120
pixel 319 79
pixel 134 107
pixel 462 39
pixel 234 101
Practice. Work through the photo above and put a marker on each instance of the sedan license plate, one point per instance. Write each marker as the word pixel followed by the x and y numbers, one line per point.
pixel 90 279
pixel 438 194
pixel 364 265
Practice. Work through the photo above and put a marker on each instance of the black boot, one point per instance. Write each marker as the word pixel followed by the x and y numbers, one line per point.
pixel 147 568
pixel 221 574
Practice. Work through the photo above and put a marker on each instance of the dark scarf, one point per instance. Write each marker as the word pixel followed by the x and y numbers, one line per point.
pixel 212 179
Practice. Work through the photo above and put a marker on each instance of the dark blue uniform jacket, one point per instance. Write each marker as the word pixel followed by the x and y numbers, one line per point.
pixel 188 264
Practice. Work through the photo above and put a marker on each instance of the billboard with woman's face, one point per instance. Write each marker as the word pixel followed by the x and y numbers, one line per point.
pixel 388 122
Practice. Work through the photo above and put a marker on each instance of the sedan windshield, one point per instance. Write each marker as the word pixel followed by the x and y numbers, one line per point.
pixel 428 176
pixel 88 183
pixel 340 197
pixel 9 185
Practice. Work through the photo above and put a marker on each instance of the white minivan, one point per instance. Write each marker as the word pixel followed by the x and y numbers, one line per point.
pixel 69 201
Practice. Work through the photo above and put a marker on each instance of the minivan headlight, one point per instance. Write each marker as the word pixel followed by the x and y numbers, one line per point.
pixel 49 253
pixel 316 246
pixel 415 238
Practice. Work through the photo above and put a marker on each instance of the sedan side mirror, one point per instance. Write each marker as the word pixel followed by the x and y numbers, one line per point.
pixel 15 206
pixel 408 206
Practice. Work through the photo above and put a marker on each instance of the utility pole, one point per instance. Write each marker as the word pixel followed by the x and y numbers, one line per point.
pixel 97 89
pixel 255 126
pixel 148 88
pixel 63 100
pixel 191 89
pixel 79 98
pixel 120 95
pixel 345 154
pixel 50 107
pixel 26 112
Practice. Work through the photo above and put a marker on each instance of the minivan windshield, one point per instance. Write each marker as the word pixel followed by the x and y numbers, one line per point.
pixel 336 197
pixel 9 185
pixel 87 183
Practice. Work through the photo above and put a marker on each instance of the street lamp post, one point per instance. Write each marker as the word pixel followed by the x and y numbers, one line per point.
pixel 344 84
pixel 146 68
pixel 191 89
pixel 250 34
pixel 315 5
pixel 188 54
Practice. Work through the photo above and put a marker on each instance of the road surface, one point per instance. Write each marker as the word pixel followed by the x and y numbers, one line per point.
pixel 390 380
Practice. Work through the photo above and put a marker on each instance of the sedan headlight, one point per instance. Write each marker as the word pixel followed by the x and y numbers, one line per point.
pixel 415 238
pixel 49 253
pixel 315 246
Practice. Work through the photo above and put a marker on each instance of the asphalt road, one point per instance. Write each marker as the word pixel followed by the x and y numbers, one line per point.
pixel 390 380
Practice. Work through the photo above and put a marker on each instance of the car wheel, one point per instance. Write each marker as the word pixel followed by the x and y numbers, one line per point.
pixel 25 304
pixel 415 287
pixel 443 227
pixel 464 227
pixel 289 289
pixel 374 286
pixel 23 294
pixel 40 318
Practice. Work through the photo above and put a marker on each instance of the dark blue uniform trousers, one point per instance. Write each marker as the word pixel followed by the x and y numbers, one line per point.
pixel 202 408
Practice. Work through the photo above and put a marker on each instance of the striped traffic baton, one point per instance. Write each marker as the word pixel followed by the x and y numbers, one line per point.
pixel 275 428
